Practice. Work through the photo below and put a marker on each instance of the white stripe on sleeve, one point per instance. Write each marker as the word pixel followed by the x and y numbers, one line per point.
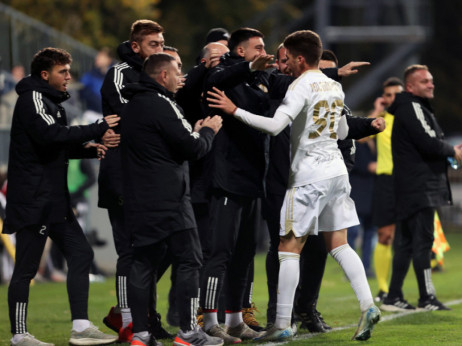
pixel 40 109
pixel 420 116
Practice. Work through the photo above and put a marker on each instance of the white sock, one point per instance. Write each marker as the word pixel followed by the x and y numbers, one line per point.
pixel 80 325
pixel 126 317
pixel 233 319
pixel 210 319
pixel 289 274
pixel 354 271
pixel 17 338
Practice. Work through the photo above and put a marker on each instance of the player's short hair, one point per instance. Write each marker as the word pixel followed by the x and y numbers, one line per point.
pixel 143 27
pixel 278 50
pixel 306 43
pixel 392 81
pixel 170 49
pixel 46 58
pixel 329 55
pixel 241 35
pixel 156 63
pixel 411 69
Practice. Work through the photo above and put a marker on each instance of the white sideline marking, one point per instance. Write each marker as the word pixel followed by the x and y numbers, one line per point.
pixel 382 319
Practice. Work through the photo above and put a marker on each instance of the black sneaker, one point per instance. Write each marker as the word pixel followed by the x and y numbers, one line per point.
pixel 380 296
pixel 156 329
pixel 324 324
pixel 396 304
pixel 432 304
pixel 310 320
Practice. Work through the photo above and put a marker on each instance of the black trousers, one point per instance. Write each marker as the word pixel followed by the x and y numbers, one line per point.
pixel 413 241
pixel 30 242
pixel 312 264
pixel 124 252
pixel 184 247
pixel 232 249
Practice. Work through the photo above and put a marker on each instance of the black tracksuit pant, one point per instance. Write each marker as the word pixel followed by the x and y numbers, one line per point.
pixel 232 249
pixel 30 242
pixel 184 247
pixel 124 252
pixel 413 241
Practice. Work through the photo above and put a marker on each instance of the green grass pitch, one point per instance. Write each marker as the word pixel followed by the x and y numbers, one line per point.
pixel 49 316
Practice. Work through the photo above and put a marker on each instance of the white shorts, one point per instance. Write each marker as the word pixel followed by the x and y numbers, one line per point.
pixel 323 206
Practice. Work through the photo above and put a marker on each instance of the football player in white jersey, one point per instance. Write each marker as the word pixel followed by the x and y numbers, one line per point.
pixel 318 195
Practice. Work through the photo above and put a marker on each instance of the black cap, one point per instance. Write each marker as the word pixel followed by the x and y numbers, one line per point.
pixel 217 34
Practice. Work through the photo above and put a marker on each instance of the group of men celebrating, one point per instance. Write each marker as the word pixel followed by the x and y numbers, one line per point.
pixel 168 160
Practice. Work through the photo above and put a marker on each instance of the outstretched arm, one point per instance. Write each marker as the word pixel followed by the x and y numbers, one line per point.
pixel 272 126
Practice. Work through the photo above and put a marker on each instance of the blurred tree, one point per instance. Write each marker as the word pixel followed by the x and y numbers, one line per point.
pixel 107 23
pixel 95 23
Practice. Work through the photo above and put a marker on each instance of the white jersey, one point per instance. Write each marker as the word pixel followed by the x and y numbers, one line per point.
pixel 314 104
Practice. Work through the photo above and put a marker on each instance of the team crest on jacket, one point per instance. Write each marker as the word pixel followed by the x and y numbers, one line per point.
pixel 263 88
pixel 58 114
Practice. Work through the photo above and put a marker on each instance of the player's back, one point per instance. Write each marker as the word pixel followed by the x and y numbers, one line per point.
pixel 315 103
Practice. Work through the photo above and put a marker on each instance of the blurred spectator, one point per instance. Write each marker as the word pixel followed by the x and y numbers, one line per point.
pixel 7 241
pixel 93 80
pixel 9 95
pixel 362 184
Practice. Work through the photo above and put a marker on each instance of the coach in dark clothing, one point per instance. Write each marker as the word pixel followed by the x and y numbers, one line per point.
pixel 421 184
pixel 146 38
pixel 157 141
pixel 38 201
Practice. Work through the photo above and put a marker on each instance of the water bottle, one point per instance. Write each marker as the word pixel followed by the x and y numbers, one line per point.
pixel 453 163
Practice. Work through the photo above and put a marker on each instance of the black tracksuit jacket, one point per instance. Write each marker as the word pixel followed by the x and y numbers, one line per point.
pixel 157 142
pixel 419 156
pixel 41 145
pixel 110 171
pixel 238 165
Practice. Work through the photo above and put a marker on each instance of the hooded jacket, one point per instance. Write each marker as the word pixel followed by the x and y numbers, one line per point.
pixel 157 142
pixel 41 144
pixel 419 156
pixel 110 172
pixel 238 156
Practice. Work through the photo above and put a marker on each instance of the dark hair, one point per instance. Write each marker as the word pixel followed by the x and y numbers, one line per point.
pixel 170 49
pixel 411 69
pixel 305 43
pixel 217 34
pixel 143 27
pixel 278 50
pixel 46 58
pixel 393 81
pixel 329 56
pixel 241 35
pixel 155 63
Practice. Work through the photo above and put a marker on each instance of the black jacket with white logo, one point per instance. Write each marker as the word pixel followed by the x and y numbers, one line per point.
pixel 419 156
pixel 157 142
pixel 110 172
pixel 40 146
